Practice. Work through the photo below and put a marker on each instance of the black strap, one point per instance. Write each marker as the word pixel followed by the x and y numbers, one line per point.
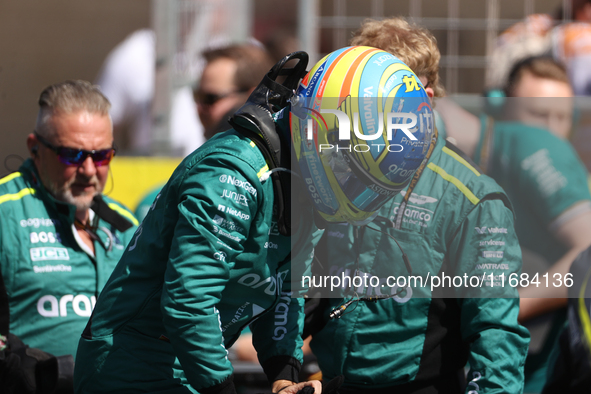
pixel 449 145
pixel 255 120
pixel 103 211
pixel 4 308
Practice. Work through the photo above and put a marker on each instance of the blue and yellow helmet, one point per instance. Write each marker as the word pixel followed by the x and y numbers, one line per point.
pixel 361 124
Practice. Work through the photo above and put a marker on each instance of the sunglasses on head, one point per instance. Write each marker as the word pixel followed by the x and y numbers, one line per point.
pixel 75 157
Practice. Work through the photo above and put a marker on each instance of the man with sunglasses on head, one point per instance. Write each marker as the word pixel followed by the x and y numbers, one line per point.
pixel 60 238
pixel 230 75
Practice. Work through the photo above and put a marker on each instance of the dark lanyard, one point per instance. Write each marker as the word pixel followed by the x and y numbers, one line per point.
pixel 415 179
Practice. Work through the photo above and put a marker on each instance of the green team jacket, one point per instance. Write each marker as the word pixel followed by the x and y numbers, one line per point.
pixel 457 221
pixel 51 281
pixel 206 261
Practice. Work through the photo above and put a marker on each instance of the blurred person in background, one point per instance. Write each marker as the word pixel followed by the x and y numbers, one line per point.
pixel 60 237
pixel 231 73
pixel 544 95
pixel 547 185
pixel 571 45
pixel 281 43
pixel 416 341
pixel 127 78
pixel 542 34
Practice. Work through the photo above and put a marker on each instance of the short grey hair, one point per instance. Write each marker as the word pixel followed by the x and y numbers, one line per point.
pixel 69 97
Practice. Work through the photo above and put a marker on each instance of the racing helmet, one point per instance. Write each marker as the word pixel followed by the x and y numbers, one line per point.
pixel 361 124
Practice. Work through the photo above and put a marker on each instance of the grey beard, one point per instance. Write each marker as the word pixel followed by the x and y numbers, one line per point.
pixel 64 193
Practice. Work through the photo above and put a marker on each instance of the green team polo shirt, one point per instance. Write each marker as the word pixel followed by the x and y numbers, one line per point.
pixel 542 175
pixel 52 279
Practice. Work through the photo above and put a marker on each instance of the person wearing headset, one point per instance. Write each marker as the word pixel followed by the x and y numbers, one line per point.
pixel 221 249
pixel 538 92
pixel 60 237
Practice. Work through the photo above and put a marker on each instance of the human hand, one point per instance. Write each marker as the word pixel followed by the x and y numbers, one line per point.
pixel 310 387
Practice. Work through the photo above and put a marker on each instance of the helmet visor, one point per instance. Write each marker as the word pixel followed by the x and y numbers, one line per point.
pixel 358 193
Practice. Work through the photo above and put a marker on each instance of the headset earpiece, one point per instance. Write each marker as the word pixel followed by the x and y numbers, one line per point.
pixel 495 102
pixel 34 150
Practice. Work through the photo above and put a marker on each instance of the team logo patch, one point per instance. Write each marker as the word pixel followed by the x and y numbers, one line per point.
pixel 48 253
pixel 419 199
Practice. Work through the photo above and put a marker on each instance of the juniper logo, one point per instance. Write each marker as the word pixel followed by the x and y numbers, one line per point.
pixel 237 197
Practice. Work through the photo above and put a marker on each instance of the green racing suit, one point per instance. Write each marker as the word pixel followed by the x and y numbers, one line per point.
pixel 457 222
pixel 206 262
pixel 52 278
